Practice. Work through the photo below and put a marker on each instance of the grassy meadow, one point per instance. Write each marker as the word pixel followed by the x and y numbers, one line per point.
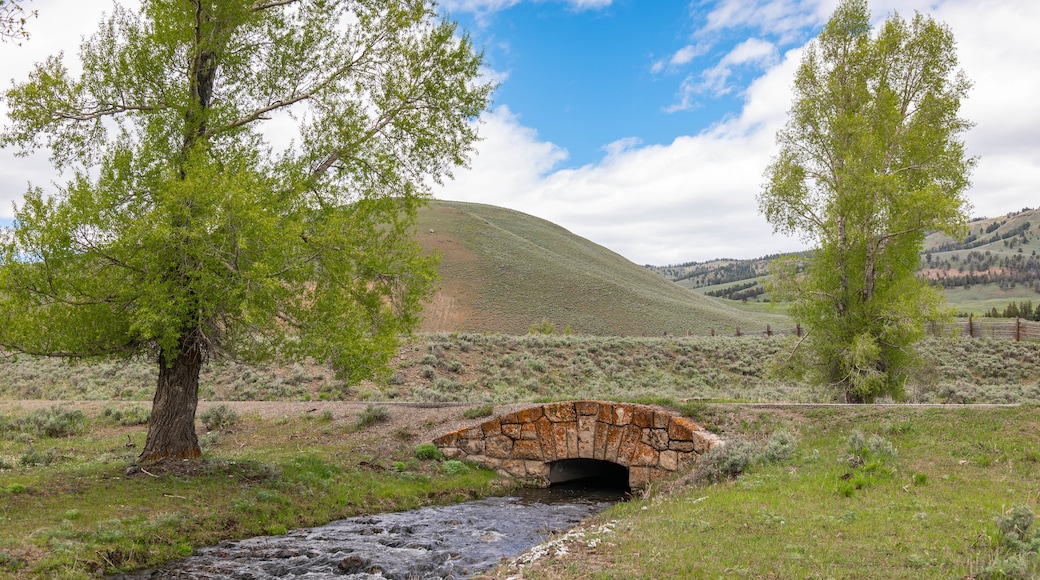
pixel 876 492
pixel 921 495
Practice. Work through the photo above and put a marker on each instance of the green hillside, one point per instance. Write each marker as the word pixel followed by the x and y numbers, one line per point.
pixel 995 264
pixel 504 271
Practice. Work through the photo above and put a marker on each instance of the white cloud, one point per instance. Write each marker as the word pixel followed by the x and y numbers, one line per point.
pixel 685 54
pixel 753 53
pixel 694 199
pixel 691 199
pixel 485 7
pixel 786 19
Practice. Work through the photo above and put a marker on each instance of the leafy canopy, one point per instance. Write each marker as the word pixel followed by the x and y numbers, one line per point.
pixel 243 175
pixel 870 161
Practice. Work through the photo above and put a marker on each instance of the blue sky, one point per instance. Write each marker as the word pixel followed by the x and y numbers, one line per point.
pixel 588 77
pixel 645 125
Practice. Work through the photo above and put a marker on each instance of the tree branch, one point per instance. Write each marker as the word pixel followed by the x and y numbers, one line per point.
pixel 260 6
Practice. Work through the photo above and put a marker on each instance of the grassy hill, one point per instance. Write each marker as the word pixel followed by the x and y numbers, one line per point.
pixel 505 271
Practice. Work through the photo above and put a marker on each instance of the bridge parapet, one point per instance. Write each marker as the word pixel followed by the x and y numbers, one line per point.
pixel 649 442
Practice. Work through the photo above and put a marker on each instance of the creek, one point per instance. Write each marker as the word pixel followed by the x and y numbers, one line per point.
pixel 453 541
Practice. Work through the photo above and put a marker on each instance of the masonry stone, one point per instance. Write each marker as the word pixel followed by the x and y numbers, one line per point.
pixel 649 442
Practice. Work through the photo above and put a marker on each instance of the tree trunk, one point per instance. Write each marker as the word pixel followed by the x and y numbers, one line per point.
pixel 171 430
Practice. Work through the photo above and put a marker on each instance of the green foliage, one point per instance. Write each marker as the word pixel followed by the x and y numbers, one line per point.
pixel 52 422
pixel 218 418
pixel 453 467
pixel 183 232
pixel 737 455
pixel 866 463
pixel 478 412
pixel 13 18
pixel 428 451
pixel 1018 544
pixel 132 415
pixel 544 327
pixel 870 162
pixel 371 415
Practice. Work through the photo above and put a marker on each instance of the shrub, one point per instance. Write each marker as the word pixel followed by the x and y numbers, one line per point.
pixel 129 416
pixel 32 457
pixel 1016 530
pixel 428 451
pixel 780 447
pixel 544 328
pixel 728 460
pixel 218 418
pixel 478 412
pixel 453 467
pixel 371 415
pixel 54 422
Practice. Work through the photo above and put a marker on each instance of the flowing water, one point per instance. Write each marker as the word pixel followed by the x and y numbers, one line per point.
pixel 454 541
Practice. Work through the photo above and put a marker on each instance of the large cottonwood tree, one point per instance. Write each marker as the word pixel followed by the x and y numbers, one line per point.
pixel 870 161
pixel 243 179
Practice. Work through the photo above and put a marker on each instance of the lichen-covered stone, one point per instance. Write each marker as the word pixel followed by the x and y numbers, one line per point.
pixel 527 449
pixel 499 446
pixel 649 443
pixel 529 415
pixel 661 420
pixel 587 408
pixel 586 436
pixel 511 430
pixel 643 417
pixel 600 449
pixel 656 438
pixel 492 428
pixel 645 455
pixel 622 415
pixel 560 412
pixel 528 431
pixel 669 460
pixel 472 446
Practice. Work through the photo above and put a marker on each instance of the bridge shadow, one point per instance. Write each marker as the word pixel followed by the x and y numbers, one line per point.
pixel 589 474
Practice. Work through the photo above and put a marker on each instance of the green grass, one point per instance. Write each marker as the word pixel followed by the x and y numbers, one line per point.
pixel 82 514
pixel 929 511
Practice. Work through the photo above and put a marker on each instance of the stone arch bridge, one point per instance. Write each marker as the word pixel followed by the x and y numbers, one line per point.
pixel 557 442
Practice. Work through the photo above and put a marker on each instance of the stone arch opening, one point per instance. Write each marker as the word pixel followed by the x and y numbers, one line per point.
pixel 589 473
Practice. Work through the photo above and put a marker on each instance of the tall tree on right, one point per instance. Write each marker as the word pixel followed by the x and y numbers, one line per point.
pixel 870 161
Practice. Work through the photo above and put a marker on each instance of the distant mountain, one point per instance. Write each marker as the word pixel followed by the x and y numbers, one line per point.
pixel 995 263
pixel 506 271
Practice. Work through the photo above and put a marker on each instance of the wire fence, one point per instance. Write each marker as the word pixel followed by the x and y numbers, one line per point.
pixel 998 328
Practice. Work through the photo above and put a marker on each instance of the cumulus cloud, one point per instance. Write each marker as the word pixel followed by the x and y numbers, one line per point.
pixel 691 199
pixel 695 198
